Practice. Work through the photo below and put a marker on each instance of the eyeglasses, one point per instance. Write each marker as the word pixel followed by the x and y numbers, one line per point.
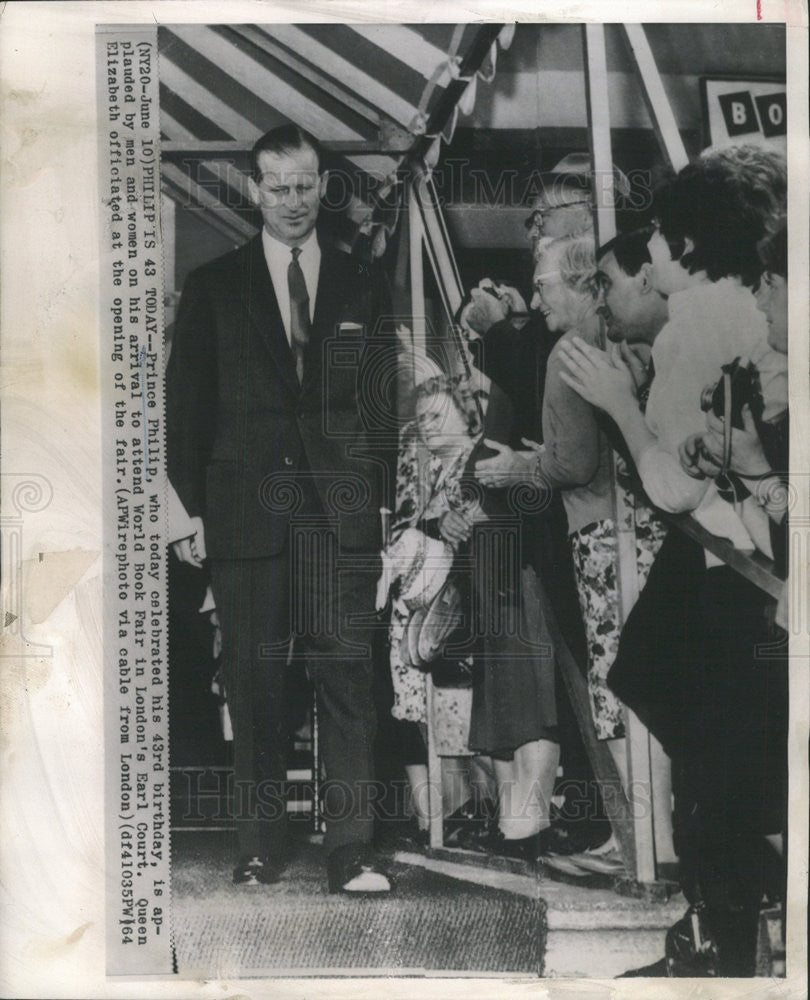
pixel 535 220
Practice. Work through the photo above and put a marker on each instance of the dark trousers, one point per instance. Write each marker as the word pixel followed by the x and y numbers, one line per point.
pixel 700 665
pixel 324 602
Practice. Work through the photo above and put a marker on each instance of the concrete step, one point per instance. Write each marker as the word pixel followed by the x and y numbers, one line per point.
pixel 600 954
pixel 593 931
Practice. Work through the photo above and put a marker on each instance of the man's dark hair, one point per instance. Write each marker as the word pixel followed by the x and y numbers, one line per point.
pixel 281 141
pixel 629 249
pixel 773 251
pixel 700 204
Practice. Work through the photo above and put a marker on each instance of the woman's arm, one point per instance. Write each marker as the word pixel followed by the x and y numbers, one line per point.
pixel 590 373
pixel 570 432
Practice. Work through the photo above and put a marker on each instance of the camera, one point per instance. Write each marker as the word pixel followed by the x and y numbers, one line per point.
pixel 742 383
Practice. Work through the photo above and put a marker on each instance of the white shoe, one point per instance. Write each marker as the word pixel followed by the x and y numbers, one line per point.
pixel 368 881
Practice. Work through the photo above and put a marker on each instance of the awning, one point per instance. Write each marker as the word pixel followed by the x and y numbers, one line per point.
pixel 373 94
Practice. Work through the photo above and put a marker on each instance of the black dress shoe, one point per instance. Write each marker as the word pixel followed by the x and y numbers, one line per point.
pixel 473 818
pixel 520 848
pixel 552 840
pixel 255 871
pixel 353 869
pixel 555 839
pixel 401 835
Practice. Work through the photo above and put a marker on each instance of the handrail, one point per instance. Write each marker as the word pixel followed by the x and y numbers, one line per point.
pixel 754 566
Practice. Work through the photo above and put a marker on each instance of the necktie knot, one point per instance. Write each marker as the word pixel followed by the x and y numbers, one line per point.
pixel 296 253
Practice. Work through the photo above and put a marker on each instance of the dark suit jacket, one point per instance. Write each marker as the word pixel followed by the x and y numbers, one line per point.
pixel 244 436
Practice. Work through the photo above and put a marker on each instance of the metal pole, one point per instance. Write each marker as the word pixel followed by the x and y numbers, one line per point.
pixel 638 740
pixel 655 97
pixel 416 234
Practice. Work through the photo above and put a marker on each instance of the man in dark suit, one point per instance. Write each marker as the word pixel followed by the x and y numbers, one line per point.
pixel 273 422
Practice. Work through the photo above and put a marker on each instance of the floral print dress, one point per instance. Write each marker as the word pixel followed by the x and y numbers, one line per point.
pixel 425 490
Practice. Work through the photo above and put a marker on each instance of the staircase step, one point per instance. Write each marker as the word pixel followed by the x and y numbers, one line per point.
pixel 600 954
pixel 593 932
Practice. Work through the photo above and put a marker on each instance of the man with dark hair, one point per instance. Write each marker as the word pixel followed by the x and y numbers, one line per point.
pixel 282 141
pixel 634 310
pixel 272 451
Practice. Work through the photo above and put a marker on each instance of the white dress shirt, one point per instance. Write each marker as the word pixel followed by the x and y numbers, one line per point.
pixel 278 256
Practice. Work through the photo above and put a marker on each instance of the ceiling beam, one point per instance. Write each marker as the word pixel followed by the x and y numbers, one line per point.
pixel 655 97
pixel 196 194
pixel 230 176
pixel 213 222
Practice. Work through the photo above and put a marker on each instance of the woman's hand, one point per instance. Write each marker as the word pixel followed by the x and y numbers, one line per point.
pixel 508 466
pixel 747 454
pixel 455 527
pixel 590 372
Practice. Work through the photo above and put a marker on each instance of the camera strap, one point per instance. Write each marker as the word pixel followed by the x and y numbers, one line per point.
pixel 726 422
pixel 729 485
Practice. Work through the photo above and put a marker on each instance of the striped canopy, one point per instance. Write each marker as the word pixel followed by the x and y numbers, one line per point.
pixel 373 94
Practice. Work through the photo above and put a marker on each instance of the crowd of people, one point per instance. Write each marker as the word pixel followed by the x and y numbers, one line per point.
pixel 646 377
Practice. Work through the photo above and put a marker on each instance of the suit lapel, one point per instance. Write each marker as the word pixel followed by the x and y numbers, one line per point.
pixel 262 306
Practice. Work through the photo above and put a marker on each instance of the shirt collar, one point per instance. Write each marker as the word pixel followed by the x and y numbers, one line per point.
pixel 275 250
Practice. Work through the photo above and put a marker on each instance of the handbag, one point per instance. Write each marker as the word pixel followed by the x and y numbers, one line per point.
pixel 428 632
pixel 430 627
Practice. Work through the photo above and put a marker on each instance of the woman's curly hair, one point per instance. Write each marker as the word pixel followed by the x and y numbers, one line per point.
pixel 576 262
pixel 773 250
pixel 758 175
pixel 709 204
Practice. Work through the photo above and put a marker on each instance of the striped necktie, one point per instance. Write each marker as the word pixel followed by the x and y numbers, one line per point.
pixel 299 312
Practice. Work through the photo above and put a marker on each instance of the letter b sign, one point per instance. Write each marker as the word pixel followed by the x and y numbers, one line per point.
pixel 738 112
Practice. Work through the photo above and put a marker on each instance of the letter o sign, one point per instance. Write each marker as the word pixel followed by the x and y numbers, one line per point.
pixel 772 110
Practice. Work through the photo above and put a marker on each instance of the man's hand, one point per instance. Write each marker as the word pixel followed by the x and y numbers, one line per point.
pixel 511 296
pixel 696 460
pixel 454 527
pixel 191 550
pixel 602 383
pixel 508 466
pixel 484 309
pixel 747 454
